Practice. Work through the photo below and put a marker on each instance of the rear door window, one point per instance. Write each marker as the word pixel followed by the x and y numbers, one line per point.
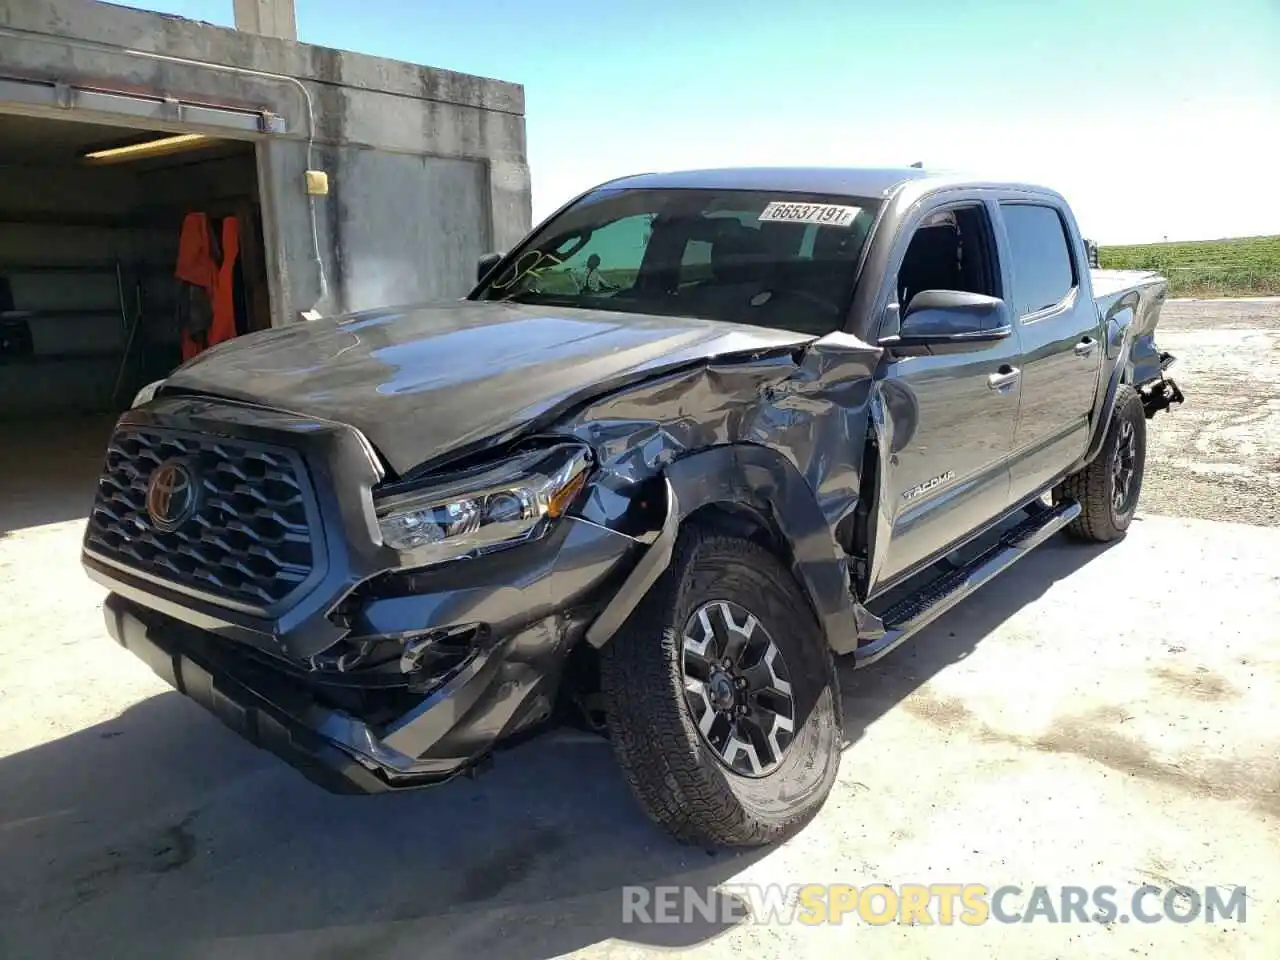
pixel 1043 271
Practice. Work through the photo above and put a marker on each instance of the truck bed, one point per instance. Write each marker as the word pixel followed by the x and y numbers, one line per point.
pixel 1143 292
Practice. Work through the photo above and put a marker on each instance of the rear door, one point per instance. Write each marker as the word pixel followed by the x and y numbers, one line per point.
pixel 1062 355
pixel 951 418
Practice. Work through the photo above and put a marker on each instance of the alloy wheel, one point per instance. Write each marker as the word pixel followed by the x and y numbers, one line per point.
pixel 1124 464
pixel 737 688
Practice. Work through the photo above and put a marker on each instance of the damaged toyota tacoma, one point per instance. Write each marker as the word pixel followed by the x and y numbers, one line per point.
pixel 696 436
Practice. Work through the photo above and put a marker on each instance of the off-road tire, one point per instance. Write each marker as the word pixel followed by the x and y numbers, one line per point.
pixel 679 780
pixel 1094 486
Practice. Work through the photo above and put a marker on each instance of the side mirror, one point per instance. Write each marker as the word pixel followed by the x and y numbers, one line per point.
pixel 487 263
pixel 950 321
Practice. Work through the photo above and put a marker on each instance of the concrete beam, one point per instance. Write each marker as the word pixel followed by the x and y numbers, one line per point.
pixel 180 37
pixel 267 18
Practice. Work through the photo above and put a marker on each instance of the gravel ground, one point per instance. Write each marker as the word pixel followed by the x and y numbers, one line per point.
pixel 1099 716
pixel 1217 456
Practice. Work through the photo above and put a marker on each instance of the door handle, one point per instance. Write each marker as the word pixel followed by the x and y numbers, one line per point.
pixel 1005 377
pixel 1084 347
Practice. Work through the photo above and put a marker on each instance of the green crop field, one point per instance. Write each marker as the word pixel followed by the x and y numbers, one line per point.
pixel 1248 266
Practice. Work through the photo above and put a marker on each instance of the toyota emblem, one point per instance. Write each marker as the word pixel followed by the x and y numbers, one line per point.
pixel 171 495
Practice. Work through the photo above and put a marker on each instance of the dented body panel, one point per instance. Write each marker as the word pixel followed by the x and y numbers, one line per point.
pixel 858 464
pixel 428 383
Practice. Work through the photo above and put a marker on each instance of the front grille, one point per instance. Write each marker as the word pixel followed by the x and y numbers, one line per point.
pixel 247 538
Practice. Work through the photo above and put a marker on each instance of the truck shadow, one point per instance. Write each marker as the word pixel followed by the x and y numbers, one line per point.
pixel 48 470
pixel 867 693
pixel 159 833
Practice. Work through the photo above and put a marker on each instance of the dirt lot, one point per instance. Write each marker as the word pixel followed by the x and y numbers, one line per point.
pixel 1219 457
pixel 1097 716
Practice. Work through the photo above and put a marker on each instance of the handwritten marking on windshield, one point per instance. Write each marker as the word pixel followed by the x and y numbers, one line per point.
pixel 532 263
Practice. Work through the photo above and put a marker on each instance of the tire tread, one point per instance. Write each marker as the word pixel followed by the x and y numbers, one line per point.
pixel 663 765
pixel 1091 487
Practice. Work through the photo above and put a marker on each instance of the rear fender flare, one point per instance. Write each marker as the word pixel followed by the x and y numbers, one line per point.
pixel 770 487
pixel 1108 404
pixel 1119 337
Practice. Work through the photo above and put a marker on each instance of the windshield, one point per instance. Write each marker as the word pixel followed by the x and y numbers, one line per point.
pixel 780 260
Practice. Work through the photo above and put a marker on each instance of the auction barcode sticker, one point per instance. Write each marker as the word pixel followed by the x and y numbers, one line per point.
pixel 826 214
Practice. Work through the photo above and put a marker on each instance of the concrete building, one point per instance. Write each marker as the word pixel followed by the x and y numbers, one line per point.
pixel 426 170
pixel 267 18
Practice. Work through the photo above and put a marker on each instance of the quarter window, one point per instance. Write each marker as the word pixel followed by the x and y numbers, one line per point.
pixel 1042 267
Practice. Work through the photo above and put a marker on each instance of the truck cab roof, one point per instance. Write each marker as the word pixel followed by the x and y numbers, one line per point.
pixel 875 182
pixel 853 181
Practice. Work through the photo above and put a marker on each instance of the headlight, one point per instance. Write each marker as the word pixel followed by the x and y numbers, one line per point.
pixel 486 509
pixel 146 394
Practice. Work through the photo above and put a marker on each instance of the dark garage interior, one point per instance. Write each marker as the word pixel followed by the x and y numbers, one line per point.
pixel 90 306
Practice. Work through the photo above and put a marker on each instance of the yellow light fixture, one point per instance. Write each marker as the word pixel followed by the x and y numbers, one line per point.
pixel 148 148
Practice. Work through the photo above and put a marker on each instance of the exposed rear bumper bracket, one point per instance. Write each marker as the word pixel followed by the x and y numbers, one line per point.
pixel 1160 395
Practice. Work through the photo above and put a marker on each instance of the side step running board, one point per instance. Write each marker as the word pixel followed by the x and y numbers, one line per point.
pixel 908 616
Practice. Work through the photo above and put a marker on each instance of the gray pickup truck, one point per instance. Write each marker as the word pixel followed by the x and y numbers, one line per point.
pixel 696 436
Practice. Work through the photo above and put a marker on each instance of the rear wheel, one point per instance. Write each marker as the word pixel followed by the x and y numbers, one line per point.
pixel 722 700
pixel 1108 488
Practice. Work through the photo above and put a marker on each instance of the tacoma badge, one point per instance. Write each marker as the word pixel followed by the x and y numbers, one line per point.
pixel 920 489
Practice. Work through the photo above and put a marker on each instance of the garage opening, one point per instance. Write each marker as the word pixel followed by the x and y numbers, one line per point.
pixel 92 223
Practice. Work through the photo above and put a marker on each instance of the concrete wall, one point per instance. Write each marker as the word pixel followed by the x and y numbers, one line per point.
pixel 428 167
pixel 79 334
pixel 433 202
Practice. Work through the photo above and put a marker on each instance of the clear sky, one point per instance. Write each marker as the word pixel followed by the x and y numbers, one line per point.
pixel 1156 118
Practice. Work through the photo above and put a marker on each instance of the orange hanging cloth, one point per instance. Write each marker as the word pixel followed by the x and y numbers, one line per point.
pixel 224 301
pixel 197 266
pixel 195 253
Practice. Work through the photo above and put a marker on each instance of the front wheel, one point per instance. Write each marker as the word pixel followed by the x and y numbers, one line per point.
pixel 721 697
pixel 1108 488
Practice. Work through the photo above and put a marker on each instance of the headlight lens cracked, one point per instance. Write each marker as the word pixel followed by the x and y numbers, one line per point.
pixel 485 509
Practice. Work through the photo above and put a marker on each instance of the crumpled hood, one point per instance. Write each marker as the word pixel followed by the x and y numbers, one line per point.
pixel 426 382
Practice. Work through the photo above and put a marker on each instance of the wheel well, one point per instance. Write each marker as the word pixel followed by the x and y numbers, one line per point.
pixel 740 520
pixel 579 701
pixel 578 698
pixel 854 532
pixel 744 521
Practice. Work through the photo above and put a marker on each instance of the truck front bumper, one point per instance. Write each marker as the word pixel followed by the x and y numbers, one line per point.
pixel 449 732
pixel 266 712
pixel 368 676
pixel 523 612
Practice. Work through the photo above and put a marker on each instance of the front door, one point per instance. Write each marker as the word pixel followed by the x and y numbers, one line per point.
pixel 950 419
pixel 1062 358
